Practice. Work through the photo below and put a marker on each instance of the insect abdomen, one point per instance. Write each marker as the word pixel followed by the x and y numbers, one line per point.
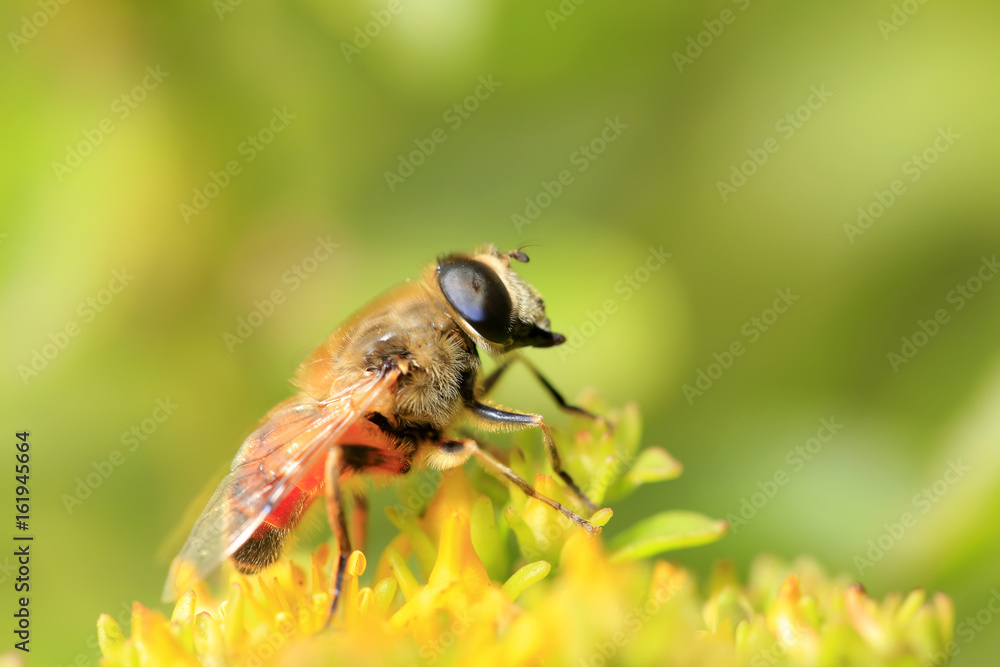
pixel 261 550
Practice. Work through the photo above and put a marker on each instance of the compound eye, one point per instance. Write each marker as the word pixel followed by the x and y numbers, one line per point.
pixel 479 296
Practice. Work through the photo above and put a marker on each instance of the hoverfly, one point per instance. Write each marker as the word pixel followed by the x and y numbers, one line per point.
pixel 380 397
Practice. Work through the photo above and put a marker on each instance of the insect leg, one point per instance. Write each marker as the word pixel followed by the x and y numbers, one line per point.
pixel 364 460
pixel 497 418
pixel 490 381
pixel 335 513
pixel 446 454
pixel 359 520
pixel 498 469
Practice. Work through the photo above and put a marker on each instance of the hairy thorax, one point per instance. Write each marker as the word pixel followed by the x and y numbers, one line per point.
pixel 409 330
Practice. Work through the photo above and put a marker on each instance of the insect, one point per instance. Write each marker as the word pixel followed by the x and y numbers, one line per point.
pixel 380 396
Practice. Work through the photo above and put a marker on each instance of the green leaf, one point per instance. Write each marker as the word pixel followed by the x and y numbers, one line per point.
pixel 654 465
pixel 665 532
pixel 628 432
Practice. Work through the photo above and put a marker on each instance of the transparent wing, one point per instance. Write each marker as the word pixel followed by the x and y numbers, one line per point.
pixel 273 459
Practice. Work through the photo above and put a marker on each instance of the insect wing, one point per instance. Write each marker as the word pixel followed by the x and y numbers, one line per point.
pixel 272 460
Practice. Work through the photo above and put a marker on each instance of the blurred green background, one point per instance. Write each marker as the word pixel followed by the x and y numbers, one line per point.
pixel 92 183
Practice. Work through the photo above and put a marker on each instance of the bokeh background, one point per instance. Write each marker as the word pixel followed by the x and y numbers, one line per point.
pixel 79 202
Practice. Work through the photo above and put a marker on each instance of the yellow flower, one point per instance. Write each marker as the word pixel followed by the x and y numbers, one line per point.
pixel 584 604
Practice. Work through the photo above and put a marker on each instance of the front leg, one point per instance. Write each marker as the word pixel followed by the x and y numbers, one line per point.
pixel 360 520
pixel 335 514
pixel 447 454
pixel 490 381
pixel 498 419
